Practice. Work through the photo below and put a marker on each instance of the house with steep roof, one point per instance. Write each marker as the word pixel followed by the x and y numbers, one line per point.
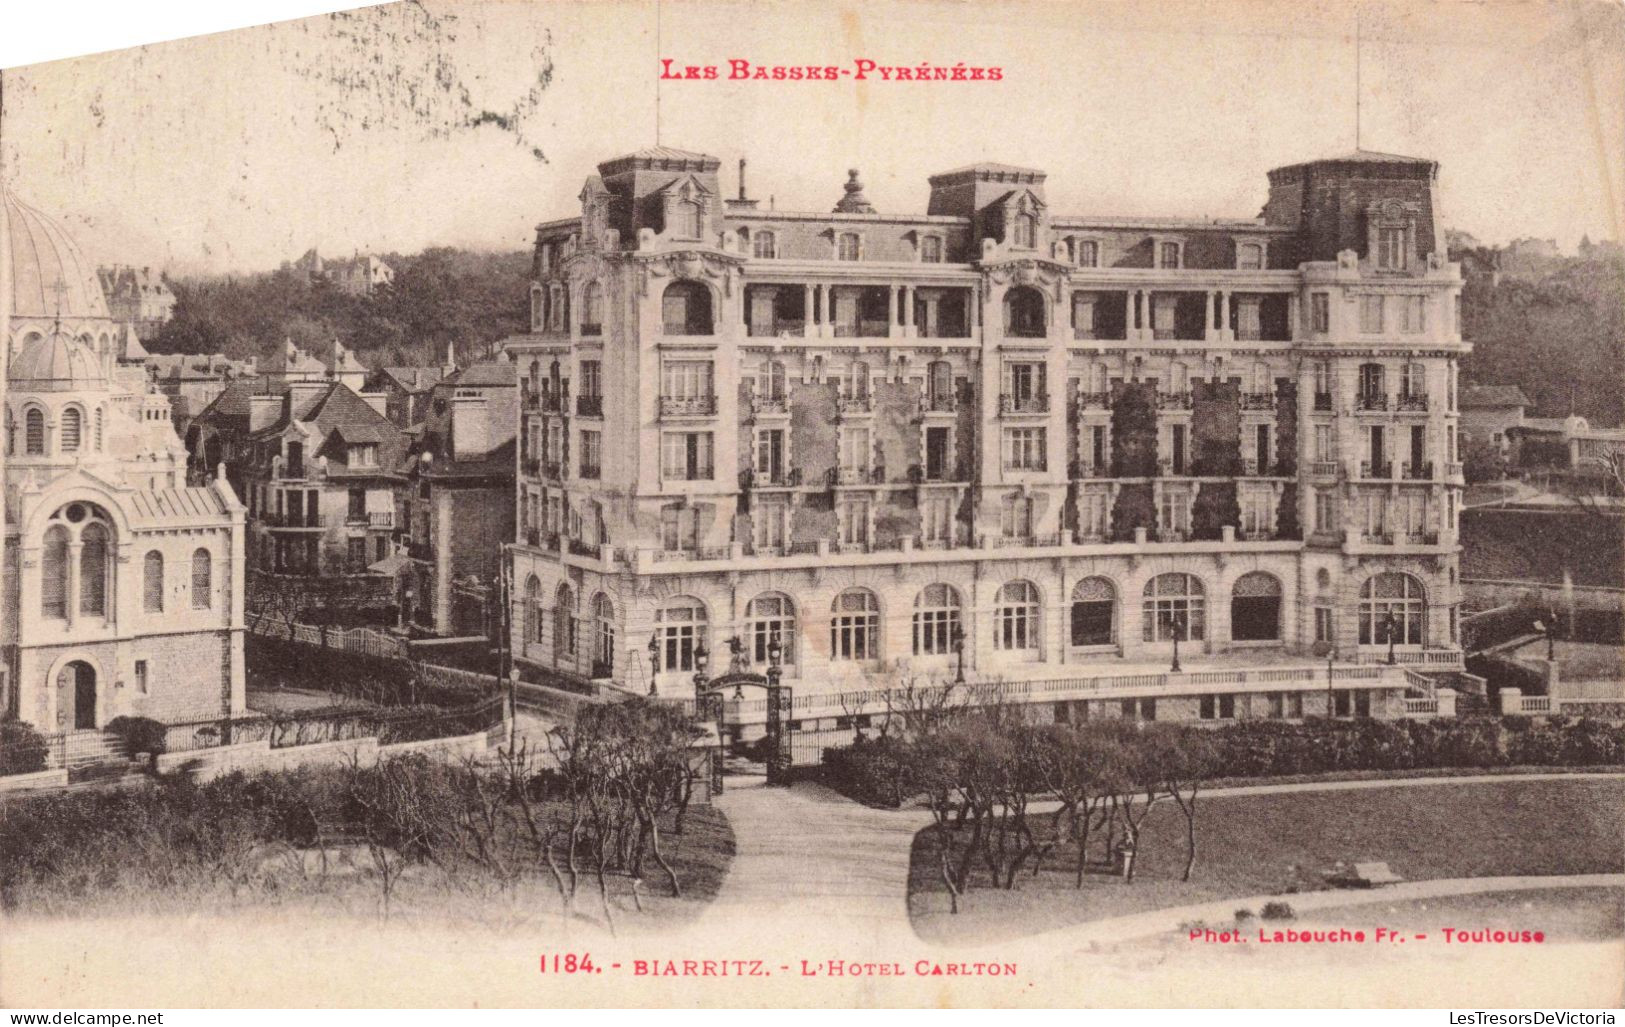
pixel 460 505
pixel 320 468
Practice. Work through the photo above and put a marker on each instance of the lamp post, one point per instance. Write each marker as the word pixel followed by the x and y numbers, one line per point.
pixel 736 663
pixel 957 640
pixel 1390 627
pixel 654 660
pixel 778 760
pixel 1176 626
pixel 702 660
pixel 1550 632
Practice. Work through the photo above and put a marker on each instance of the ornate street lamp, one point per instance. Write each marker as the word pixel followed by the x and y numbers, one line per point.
pixel 737 661
pixel 957 640
pixel 654 659
pixel 1390 628
pixel 1176 627
pixel 702 660
pixel 775 660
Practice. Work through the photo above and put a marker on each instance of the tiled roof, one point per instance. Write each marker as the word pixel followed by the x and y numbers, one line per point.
pixel 990 166
pixel 494 373
pixel 160 504
pixel 667 153
pixel 1476 396
pixel 414 379
pixel 498 462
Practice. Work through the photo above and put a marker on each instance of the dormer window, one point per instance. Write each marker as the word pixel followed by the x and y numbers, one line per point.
pixel 847 246
pixel 1249 257
pixel 931 249
pixel 1391 255
pixel 764 246
pixel 1168 255
pixel 1025 233
pixel 1088 253
pixel 364 454
pixel 685 219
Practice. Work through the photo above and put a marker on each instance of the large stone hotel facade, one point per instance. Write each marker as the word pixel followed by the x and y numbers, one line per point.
pixel 1035 446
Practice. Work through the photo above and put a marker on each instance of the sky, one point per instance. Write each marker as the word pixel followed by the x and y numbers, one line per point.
pixel 410 125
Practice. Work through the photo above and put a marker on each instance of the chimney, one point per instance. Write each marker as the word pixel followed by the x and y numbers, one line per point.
pixel 470 427
pixel 741 179
pixel 303 393
pixel 263 410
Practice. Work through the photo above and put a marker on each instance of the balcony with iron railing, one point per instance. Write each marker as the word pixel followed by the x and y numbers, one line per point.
pixel 1371 401
pixel 1418 472
pixel 1376 469
pixel 762 404
pixel 783 477
pixel 1085 469
pixel 591 472
pixel 1026 403
pixel 294 520
pixel 1093 400
pixel 928 475
pixel 1169 467
pixel 856 475
pixel 944 402
pixel 854 403
pixel 589 406
pixel 1174 400
pixel 1452 470
pixel 372 519
pixel 1411 402
pixel 1258 401
pixel 1323 468
pixel 583 548
pixel 688 406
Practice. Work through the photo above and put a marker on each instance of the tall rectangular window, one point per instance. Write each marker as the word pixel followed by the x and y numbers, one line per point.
pixel 768 524
pixel 1320 311
pixel 847 246
pixel 1323 443
pixel 857 450
pixel 141 682
pixel 591 454
pixel 937 453
pixel 1024 449
pixel 591 378
pixel 1094 514
pixel 853 518
pixel 685 456
pixel 1391 249
pixel 937 518
pixel 930 249
pixel 1323 624
pixel 1174 512
pixel 1249 256
pixel 1414 314
pixel 686 379
pixel 1168 255
pixel 1088 253
pixel 770 455
pixel 1326 510
pixel 1371 314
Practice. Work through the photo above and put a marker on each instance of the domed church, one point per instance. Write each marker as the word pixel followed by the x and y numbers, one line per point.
pixel 122 585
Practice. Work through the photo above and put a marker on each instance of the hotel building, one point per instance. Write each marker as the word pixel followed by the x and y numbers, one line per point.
pixel 998 440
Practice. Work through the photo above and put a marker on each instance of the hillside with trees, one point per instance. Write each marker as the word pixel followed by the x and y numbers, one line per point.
pixel 441 295
pixel 1555 327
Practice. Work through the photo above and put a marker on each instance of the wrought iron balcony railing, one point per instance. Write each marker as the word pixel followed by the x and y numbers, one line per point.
pixel 1031 403
pixel 688 406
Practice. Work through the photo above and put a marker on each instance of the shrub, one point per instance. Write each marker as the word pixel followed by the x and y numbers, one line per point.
pixel 140 734
pixel 1278 911
pixel 875 772
pixel 22 749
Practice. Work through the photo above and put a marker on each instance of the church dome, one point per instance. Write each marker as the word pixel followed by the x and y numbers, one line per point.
pixel 50 276
pixel 56 363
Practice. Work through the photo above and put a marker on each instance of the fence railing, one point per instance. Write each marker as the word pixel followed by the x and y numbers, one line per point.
pixel 314 727
pixel 355 640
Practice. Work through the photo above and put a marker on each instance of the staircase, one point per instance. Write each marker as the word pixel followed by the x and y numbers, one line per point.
pixel 85 751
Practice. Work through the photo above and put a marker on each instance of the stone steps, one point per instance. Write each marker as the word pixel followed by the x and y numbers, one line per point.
pixel 83 749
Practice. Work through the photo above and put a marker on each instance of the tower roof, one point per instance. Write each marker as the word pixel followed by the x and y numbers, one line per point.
pixel 49 273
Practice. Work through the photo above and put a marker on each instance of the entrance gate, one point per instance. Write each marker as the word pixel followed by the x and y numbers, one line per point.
pixel 710 704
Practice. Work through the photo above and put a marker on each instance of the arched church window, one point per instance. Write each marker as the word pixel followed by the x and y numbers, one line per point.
pixel 72 423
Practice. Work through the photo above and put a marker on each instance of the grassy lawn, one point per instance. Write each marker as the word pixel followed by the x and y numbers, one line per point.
pixel 1281 844
pixel 1562 914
